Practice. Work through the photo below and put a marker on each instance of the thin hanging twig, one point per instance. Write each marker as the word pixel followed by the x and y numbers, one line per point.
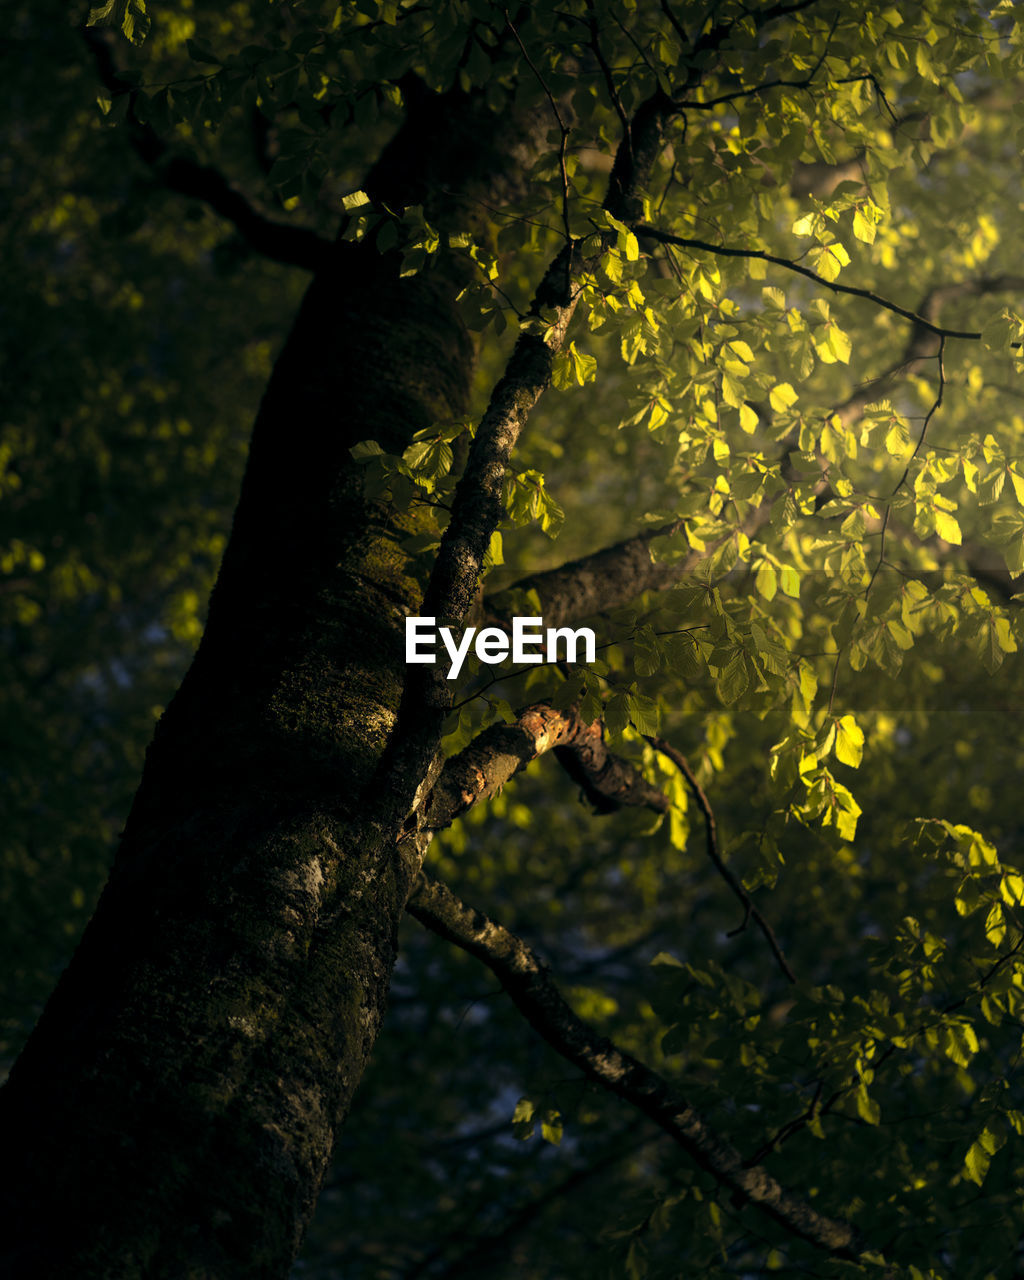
pixel 714 853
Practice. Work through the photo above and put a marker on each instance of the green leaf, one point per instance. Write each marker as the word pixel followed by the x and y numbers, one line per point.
pixel 494 556
pixel 845 813
pixel 387 235
pixel 976 1162
pixel 616 713
pixel 995 924
pixel 867 1107
pixel 366 449
pixel 947 528
pixel 354 201
pixel 504 710
pixel 782 397
pixel 647 656
pixel 765 580
pixel 644 713
pixel 998 333
pixel 960 1042
pixel 897 437
pixel 849 745
pixel 429 458
pixel 789 581
pixel 732 393
pixel 523 1122
pixel 1012 888
pixel 552 517
pixel 733 679
pixel 830 260
pixel 863 227
pixel 980 1153
pixel 573 365
pixel 551 1127
pixel 834 345
pixel 129 16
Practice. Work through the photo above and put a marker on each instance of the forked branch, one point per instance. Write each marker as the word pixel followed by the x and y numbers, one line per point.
pixel 503 750
pixel 534 992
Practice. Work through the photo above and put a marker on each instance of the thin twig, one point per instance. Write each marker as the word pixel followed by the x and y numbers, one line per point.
pixel 906 470
pixel 791 1126
pixel 805 83
pixel 714 853
pixel 794 1126
pixel 928 416
pixel 635 43
pixel 689 104
pixel 609 79
pixel 835 678
pixel 563 140
pixel 727 251
pixel 881 551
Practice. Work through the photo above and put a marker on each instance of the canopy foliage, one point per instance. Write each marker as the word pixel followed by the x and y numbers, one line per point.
pixel 793 367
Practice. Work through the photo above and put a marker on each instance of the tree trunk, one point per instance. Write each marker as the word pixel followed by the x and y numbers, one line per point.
pixel 174 1111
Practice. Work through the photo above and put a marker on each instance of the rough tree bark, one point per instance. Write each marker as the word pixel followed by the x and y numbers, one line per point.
pixel 177 1104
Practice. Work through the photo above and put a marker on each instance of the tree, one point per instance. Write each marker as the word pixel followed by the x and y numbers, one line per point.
pixel 776 238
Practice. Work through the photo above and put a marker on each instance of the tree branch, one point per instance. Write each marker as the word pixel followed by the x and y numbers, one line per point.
pixel 563 130
pixel 607 781
pixel 677 26
pixel 921 344
pixel 922 347
pixel 503 750
pixel 805 83
pixel 534 993
pixel 478 505
pixel 612 576
pixel 687 242
pixel 604 579
pixel 296 246
pixel 606 70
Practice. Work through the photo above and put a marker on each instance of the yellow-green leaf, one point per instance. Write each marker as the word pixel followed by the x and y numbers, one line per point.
pixel 947 528
pixel 782 397
pixel 849 742
pixel 867 1108
pixel 863 228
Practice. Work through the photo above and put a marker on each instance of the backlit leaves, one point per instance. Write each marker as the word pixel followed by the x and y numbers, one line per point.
pixel 849 741
pixel 129 16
